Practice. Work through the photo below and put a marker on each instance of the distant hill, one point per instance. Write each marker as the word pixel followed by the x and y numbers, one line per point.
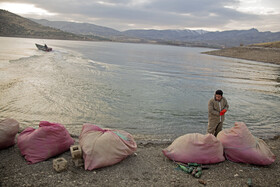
pixel 167 35
pixel 91 30
pixel 79 28
pixel 220 39
pixel 16 26
pixel 175 37
pixel 172 37
pixel 239 37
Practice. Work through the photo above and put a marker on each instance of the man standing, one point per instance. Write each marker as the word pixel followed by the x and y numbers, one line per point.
pixel 217 107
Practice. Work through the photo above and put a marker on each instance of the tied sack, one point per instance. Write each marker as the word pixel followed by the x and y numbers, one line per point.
pixel 195 147
pixel 49 140
pixel 241 146
pixel 8 131
pixel 104 147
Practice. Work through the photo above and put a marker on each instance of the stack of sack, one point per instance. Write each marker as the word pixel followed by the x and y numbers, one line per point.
pixel 49 140
pixel 236 143
pixel 104 147
pixel 8 131
pixel 195 147
pixel 101 147
pixel 241 146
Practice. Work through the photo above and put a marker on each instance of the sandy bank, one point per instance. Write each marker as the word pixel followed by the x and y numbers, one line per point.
pixel 148 167
pixel 260 54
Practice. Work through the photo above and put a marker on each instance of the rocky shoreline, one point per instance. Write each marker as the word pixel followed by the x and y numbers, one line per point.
pixel 148 167
pixel 255 53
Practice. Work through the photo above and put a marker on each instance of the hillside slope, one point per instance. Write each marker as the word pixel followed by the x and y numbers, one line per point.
pixel 12 25
pixel 79 28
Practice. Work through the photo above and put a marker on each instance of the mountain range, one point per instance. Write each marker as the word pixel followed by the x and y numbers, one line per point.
pixel 176 37
pixel 17 26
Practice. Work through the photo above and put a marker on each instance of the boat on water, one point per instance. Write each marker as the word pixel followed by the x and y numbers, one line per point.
pixel 43 47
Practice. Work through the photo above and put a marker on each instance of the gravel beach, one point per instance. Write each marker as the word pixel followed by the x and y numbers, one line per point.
pixel 148 167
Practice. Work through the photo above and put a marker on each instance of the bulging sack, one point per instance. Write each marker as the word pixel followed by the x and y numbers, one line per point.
pixel 49 140
pixel 104 147
pixel 241 146
pixel 8 131
pixel 195 147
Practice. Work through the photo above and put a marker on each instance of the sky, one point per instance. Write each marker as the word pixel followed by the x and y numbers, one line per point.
pixel 210 15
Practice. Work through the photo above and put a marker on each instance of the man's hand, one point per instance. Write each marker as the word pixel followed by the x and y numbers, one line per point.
pixel 223 112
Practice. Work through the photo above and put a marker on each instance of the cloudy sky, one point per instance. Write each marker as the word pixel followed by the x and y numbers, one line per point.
pixel 211 15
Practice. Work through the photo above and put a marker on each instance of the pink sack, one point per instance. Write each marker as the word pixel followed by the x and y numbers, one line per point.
pixel 104 147
pixel 195 147
pixel 8 131
pixel 49 140
pixel 241 146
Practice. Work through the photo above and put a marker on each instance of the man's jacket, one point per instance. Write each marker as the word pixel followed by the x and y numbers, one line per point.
pixel 214 109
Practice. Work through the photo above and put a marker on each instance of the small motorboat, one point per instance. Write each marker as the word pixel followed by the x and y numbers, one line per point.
pixel 43 47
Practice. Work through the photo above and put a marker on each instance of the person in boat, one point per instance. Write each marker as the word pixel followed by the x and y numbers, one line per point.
pixel 46 46
pixel 217 107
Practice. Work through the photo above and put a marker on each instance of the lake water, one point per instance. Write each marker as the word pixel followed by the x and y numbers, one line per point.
pixel 140 88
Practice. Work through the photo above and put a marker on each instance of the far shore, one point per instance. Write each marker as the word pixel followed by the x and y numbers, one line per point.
pixel 259 54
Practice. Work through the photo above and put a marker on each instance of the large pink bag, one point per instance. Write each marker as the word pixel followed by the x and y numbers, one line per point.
pixel 8 130
pixel 49 140
pixel 104 147
pixel 241 146
pixel 197 148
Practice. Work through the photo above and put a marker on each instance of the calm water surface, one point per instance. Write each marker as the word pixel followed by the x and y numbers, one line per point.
pixel 140 88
